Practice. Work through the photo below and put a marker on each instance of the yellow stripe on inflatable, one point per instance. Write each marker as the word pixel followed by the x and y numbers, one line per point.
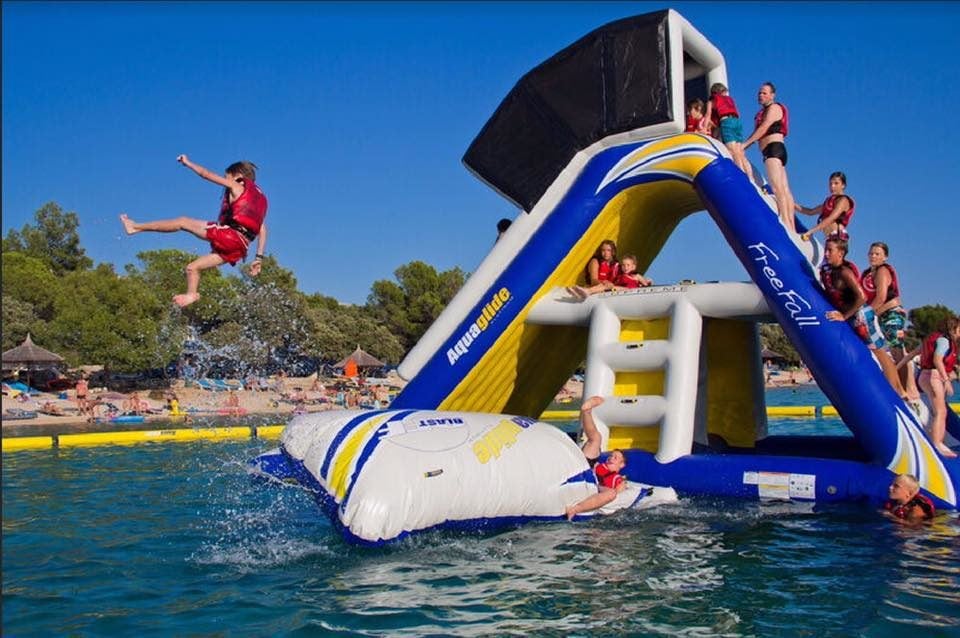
pixel 955 407
pixel 914 448
pixel 667 144
pixel 829 410
pixel 12 444
pixel 347 454
pixel 142 436
pixel 904 459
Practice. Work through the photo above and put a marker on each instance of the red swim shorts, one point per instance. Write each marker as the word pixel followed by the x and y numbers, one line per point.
pixel 227 242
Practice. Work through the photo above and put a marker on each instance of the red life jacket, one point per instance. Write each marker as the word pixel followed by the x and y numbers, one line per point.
pixel 606 271
pixel 607 477
pixel 928 349
pixel 626 281
pixel 840 298
pixel 870 289
pixel 827 208
pixel 247 212
pixel 693 124
pixel 901 510
pixel 780 126
pixel 723 105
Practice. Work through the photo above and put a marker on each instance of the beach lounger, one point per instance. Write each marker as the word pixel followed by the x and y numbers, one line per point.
pixel 210 384
pixel 223 384
pixel 18 414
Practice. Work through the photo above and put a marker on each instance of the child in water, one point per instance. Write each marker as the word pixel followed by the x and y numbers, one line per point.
pixel 242 212
pixel 906 502
pixel 609 481
pixel 628 277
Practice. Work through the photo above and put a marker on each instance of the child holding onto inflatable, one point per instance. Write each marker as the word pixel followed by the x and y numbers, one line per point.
pixel 242 212
pixel 626 277
pixel 906 503
pixel 722 114
pixel 609 481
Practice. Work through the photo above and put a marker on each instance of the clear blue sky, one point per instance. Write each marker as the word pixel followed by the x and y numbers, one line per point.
pixel 358 116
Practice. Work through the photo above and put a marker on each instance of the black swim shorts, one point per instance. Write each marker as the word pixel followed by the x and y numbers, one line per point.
pixel 776 150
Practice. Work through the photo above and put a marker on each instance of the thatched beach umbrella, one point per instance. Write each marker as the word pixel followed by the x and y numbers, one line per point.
pixel 766 354
pixel 356 360
pixel 30 357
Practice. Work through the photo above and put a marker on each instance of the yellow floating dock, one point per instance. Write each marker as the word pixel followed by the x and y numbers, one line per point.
pixel 12 444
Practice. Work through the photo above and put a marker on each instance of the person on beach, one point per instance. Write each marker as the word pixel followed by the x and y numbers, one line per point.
pixel 609 481
pixel 882 289
pixel 835 211
pixel 695 119
pixel 905 502
pixel 82 389
pixel 770 129
pixel 242 212
pixel 723 116
pixel 938 360
pixel 841 282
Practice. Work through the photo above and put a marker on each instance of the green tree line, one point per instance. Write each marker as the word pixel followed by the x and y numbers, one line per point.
pixel 91 314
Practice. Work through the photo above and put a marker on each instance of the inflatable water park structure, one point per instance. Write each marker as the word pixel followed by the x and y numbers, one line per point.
pixel 591 145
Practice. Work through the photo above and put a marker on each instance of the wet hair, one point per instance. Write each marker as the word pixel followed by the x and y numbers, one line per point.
pixel 717 88
pixel 773 89
pixel 839 243
pixel 882 246
pixel 839 175
pixel 696 103
pixel 621 454
pixel 245 169
pixel 629 256
pixel 606 242
pixel 909 480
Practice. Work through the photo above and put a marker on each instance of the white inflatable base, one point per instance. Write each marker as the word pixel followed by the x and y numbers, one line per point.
pixel 639 496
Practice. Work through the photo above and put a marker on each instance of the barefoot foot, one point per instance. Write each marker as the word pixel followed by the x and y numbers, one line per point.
pixel 591 403
pixel 945 451
pixel 128 224
pixel 186 299
pixel 570 512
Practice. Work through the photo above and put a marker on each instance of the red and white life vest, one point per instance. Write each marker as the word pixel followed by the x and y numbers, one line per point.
pixel 869 287
pixel 840 298
pixel 928 349
pixel 826 209
pixel 780 126
pixel 723 106
pixel 247 212
pixel 901 510
pixel 607 477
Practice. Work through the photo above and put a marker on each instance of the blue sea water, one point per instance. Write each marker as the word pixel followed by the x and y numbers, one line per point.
pixel 176 539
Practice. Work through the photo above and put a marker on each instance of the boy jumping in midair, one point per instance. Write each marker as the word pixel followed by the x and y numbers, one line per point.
pixel 242 212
